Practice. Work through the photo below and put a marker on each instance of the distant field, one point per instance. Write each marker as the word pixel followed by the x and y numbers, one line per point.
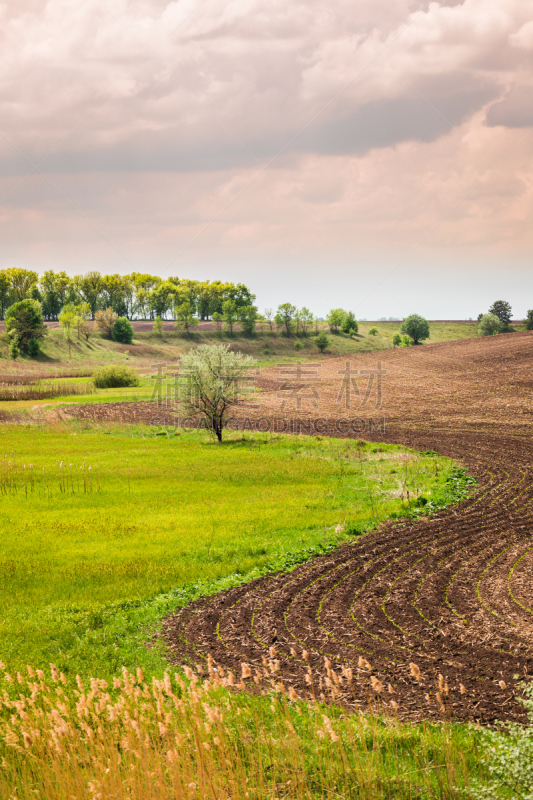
pixel 149 348
pixel 103 529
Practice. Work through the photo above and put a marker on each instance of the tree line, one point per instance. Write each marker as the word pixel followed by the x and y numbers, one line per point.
pixel 135 296
pixel 498 319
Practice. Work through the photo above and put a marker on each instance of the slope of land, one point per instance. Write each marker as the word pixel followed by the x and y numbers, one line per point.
pixel 451 593
pixel 148 347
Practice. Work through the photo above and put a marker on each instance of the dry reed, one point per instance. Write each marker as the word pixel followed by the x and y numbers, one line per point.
pixel 206 738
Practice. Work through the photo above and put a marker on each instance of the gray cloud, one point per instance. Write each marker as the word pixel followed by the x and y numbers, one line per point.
pixel 515 110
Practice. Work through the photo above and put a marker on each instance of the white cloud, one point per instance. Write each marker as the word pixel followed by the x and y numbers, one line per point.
pixel 248 133
pixel 191 84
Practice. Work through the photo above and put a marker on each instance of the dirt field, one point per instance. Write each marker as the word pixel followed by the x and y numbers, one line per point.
pixel 452 594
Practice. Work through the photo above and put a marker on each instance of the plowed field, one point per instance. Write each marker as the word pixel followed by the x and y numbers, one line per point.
pixel 452 593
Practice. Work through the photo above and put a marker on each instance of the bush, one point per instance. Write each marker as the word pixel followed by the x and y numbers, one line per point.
pixel 416 327
pixel 406 341
pixel 14 351
pixel 298 345
pixel 396 340
pixel 115 377
pixel 529 320
pixel 105 321
pixel 25 326
pixel 123 331
pixel 488 325
pixel 321 341
pixel 335 319
pixel 33 348
pixel 349 323
pixel 373 332
pixel 508 757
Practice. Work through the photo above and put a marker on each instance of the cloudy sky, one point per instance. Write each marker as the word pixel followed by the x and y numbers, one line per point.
pixel 373 154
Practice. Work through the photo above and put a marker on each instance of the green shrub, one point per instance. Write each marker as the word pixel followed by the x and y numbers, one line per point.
pixel 396 340
pixel 298 345
pixel 33 348
pixel 508 757
pixel 416 327
pixel 349 323
pixel 24 324
pixel 123 331
pixel 529 320
pixel 321 341
pixel 115 377
pixel 406 341
pixel 488 325
pixel 373 332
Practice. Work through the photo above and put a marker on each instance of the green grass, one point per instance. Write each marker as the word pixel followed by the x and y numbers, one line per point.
pixel 89 557
pixel 149 348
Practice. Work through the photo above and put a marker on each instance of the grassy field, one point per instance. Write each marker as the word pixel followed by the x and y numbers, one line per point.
pixel 105 530
pixel 149 348
pixel 182 740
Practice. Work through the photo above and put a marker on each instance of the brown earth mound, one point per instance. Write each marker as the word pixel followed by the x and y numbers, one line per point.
pixel 451 594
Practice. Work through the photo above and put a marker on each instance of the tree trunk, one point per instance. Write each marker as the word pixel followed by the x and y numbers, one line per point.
pixel 217 428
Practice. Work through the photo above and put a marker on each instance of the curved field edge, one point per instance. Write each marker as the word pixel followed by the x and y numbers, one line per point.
pixel 98 638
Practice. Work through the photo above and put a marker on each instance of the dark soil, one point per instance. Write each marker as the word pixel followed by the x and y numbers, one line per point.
pixel 452 593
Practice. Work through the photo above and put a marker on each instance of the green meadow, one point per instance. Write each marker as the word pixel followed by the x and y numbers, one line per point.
pixel 104 530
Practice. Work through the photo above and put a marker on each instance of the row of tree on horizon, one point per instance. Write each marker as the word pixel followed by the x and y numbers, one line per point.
pixel 135 296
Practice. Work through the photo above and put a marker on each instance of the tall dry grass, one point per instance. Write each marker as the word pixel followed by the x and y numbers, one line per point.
pixel 207 738
pixel 45 391
pixel 30 377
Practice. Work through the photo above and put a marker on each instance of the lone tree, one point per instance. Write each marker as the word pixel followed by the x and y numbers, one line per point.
pixel 105 321
pixel 212 380
pixel 322 341
pixel 25 326
pixel 489 324
pixel 529 320
pixel 335 319
pixel 67 321
pixel 502 310
pixel 416 327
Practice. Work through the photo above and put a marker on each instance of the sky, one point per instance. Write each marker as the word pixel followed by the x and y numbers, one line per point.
pixel 374 155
